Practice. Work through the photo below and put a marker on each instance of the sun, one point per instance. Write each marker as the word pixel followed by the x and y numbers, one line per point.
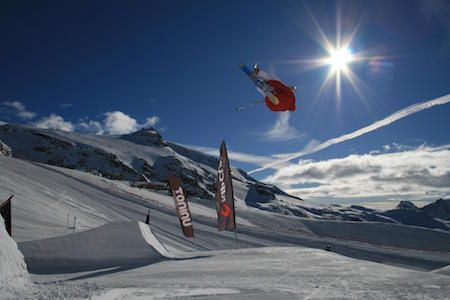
pixel 339 59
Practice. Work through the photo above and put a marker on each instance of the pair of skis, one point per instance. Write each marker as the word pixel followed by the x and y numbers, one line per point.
pixel 242 107
pixel 250 74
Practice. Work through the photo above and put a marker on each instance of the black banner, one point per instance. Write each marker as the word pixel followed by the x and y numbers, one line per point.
pixel 5 211
pixel 224 193
pixel 182 206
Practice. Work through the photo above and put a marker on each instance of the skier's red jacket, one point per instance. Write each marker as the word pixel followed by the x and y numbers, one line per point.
pixel 284 94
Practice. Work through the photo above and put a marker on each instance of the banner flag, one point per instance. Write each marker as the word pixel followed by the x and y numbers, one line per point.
pixel 224 193
pixel 182 206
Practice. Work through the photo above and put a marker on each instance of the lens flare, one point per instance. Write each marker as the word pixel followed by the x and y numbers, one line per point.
pixel 339 58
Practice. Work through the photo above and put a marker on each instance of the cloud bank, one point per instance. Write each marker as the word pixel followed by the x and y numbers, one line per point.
pixel 19 109
pixel 374 126
pixel 419 173
pixel 114 122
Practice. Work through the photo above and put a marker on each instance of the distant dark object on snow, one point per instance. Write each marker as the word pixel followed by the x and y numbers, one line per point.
pixel 159 186
pixel 147 219
pixel 5 211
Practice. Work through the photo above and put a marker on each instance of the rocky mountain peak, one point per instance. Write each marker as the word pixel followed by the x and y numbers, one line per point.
pixel 406 205
pixel 145 136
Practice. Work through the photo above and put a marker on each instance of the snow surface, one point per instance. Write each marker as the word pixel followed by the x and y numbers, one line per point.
pixel 255 273
pixel 14 275
pixel 269 273
pixel 443 271
pixel 105 253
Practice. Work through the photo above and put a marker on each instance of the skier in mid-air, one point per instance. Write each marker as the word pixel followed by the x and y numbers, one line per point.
pixel 278 96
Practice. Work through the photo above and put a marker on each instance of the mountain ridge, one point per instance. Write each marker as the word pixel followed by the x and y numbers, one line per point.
pixel 145 156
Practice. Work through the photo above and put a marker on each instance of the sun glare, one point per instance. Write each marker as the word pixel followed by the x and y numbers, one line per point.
pixel 339 58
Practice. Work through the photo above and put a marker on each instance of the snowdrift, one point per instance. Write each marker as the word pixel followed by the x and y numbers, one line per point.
pixel 13 271
pixel 123 245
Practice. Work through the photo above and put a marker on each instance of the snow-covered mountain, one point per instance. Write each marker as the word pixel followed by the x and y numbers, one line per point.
pixel 5 150
pixel 439 209
pixel 57 214
pixel 406 205
pixel 139 156
pixel 145 156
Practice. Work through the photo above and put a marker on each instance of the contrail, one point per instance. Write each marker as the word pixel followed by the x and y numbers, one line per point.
pixel 374 126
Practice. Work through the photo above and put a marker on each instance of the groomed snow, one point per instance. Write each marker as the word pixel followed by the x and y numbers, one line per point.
pixel 256 273
pixel 272 273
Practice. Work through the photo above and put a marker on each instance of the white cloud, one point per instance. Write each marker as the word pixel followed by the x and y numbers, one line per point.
pixel 3 122
pixel 20 109
pixel 54 122
pixel 151 122
pixel 91 126
pixel 26 114
pixel 116 122
pixel 15 104
pixel 398 115
pixel 421 173
pixel 282 130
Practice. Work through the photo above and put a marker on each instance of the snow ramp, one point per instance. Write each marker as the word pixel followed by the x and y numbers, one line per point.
pixel 123 245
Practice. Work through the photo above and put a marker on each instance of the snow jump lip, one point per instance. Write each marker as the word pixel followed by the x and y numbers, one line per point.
pixel 124 245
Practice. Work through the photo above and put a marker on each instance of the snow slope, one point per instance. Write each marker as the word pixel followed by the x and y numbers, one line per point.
pixel 14 276
pixel 44 195
pixel 145 155
pixel 267 273
pixel 255 273
pixel 125 260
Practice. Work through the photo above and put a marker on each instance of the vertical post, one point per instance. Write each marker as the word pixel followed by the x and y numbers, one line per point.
pixel 74 223
pixel 147 219
pixel 235 226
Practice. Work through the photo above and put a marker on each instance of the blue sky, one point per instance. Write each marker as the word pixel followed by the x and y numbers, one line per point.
pixel 113 66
